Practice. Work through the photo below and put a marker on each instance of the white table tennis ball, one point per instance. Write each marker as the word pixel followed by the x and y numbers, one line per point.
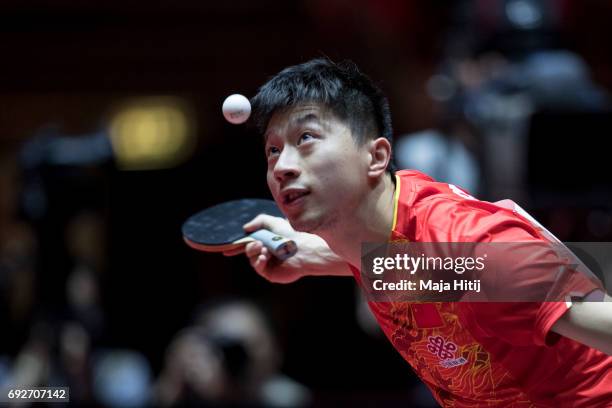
pixel 236 109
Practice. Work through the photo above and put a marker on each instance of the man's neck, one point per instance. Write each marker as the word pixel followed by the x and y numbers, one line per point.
pixel 371 222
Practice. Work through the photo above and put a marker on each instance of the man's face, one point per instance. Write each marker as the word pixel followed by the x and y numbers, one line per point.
pixel 316 172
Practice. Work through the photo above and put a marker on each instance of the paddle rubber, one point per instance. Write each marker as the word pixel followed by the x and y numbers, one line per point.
pixel 219 228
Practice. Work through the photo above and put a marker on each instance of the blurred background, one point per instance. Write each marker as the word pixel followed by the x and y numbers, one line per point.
pixel 111 135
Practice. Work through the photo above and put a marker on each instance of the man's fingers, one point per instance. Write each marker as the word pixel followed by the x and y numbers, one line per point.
pixel 260 261
pixel 262 221
pixel 253 248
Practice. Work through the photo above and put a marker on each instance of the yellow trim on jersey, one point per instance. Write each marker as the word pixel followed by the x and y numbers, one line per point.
pixel 396 201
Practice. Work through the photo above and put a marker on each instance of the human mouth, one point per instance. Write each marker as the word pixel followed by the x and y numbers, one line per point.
pixel 292 197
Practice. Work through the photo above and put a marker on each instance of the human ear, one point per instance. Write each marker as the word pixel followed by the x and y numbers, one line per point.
pixel 380 155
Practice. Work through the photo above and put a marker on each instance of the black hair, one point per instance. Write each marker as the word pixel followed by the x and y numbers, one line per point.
pixel 349 94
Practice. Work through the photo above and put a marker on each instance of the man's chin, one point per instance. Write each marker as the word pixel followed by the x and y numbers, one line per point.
pixel 303 224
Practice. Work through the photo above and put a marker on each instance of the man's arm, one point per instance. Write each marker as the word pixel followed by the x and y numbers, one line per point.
pixel 589 323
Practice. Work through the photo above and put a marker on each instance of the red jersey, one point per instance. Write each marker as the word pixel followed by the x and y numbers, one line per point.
pixel 485 354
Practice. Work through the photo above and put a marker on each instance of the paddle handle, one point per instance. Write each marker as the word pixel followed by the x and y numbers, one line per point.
pixel 281 247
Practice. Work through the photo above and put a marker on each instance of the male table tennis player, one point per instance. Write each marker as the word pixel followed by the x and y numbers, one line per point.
pixel 327 132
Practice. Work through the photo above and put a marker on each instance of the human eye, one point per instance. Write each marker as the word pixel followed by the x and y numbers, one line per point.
pixel 272 151
pixel 304 137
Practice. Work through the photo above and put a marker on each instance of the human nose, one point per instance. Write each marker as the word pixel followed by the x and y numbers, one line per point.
pixel 287 165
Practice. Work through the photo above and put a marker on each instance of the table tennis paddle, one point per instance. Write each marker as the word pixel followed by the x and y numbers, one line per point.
pixel 219 228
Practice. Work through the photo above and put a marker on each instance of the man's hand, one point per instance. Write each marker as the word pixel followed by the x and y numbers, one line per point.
pixel 313 256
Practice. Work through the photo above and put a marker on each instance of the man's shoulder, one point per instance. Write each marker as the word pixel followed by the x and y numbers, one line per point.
pixel 434 211
pixel 417 188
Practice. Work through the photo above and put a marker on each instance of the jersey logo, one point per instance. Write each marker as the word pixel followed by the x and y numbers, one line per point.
pixel 445 350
